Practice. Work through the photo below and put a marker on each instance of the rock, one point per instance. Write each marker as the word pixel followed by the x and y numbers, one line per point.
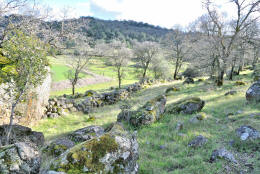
pixel 240 83
pixel 86 133
pixel 53 172
pixel 22 134
pixel 194 120
pixel 231 93
pixel 247 132
pixel 148 114
pixel 253 92
pixel 90 93
pixel 171 89
pixel 179 126
pixel 19 158
pixel 198 141
pixel 116 151
pixel 188 80
pixel 201 116
pixel 58 146
pixel 222 153
pixel 53 115
pixel 187 106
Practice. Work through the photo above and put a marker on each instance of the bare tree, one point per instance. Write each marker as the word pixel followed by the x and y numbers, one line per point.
pixel 119 56
pixel 225 33
pixel 178 47
pixel 145 52
pixel 78 63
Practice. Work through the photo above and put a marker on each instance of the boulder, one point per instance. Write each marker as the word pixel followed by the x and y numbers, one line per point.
pixel 116 151
pixel 231 93
pixel 189 80
pixel 198 141
pixel 148 114
pixel 57 147
pixel 253 92
pixel 171 89
pixel 86 133
pixel 22 134
pixel 186 106
pixel 247 133
pixel 19 158
pixel 222 153
pixel 240 83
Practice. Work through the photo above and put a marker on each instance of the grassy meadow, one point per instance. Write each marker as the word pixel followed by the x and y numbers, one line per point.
pixel 163 149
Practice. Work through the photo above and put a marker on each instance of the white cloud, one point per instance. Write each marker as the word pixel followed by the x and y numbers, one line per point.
pixel 165 13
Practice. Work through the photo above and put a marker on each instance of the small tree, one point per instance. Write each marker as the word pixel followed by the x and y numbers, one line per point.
pixel 25 67
pixel 78 63
pixel 145 53
pixel 119 57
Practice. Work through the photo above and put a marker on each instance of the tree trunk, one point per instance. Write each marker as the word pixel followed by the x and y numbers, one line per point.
pixel 220 79
pixel 119 78
pixel 10 127
pixel 73 89
pixel 176 70
pixel 231 73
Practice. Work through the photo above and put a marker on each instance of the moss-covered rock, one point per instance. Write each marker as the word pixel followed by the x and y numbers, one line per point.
pixel 187 106
pixel 147 114
pixel 253 92
pixel 116 151
pixel 240 83
pixel 86 133
pixel 171 89
pixel 19 158
pixel 57 147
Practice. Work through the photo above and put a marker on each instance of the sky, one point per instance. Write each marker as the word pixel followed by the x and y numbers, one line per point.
pixel 165 13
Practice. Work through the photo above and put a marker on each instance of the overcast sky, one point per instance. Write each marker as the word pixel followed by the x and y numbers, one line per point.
pixel 165 13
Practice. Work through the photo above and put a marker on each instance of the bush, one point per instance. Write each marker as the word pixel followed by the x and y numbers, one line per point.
pixel 191 73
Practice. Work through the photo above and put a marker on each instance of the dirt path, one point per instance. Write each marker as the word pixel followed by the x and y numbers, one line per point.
pixel 95 79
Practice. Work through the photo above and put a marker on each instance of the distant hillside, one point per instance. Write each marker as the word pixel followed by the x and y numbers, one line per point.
pixel 98 29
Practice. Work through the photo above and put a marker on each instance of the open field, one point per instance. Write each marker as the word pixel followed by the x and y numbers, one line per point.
pixel 163 149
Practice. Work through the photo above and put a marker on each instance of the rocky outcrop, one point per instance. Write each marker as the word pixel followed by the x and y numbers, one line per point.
pixel 147 114
pixel 222 153
pixel 22 134
pixel 86 133
pixel 115 151
pixel 247 133
pixel 198 141
pixel 230 93
pixel 19 158
pixel 59 146
pixel 30 111
pixel 253 93
pixel 189 80
pixel 186 106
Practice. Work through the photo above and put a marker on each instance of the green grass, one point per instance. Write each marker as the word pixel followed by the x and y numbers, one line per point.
pixel 177 157
pixel 59 69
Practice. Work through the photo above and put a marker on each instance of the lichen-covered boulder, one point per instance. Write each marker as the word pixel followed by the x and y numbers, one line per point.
pixel 222 153
pixel 19 158
pixel 57 147
pixel 230 93
pixel 86 133
pixel 22 134
pixel 253 92
pixel 198 141
pixel 247 133
pixel 186 106
pixel 148 114
pixel 189 80
pixel 116 151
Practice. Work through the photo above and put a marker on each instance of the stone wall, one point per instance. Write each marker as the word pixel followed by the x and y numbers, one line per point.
pixel 30 110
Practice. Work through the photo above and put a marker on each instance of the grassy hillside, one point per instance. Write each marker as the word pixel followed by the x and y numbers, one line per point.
pixel 163 149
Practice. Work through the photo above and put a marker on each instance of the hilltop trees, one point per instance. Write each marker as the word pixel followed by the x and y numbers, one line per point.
pixel 23 65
